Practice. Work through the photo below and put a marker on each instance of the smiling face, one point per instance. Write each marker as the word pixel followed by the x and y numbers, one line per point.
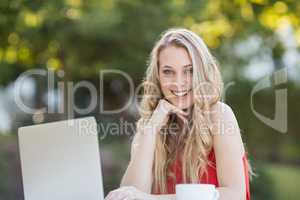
pixel 175 76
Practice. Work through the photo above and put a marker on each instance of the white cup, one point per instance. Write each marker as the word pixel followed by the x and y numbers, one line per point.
pixel 196 192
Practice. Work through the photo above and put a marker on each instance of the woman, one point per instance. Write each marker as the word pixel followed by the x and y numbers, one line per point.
pixel 185 133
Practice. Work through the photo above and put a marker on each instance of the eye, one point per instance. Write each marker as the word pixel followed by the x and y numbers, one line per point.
pixel 167 71
pixel 189 71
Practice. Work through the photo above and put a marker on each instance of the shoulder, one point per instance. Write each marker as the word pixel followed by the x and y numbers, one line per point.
pixel 220 106
pixel 225 129
pixel 228 148
pixel 220 114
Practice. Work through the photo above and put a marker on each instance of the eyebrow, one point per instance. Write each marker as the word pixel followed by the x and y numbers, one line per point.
pixel 185 66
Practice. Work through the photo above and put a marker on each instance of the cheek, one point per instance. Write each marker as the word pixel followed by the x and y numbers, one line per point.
pixel 165 84
pixel 191 97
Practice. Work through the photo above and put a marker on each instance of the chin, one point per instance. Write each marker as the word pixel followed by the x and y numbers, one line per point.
pixel 183 104
pixel 178 104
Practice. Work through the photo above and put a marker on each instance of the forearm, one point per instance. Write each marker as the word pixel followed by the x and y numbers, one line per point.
pixel 139 170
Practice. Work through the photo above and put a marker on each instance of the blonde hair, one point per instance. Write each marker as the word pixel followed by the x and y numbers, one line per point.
pixel 196 144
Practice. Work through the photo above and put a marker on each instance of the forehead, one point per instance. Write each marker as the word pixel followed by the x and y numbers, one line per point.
pixel 176 57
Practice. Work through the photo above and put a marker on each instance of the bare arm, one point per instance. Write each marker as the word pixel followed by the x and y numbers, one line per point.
pixel 229 151
pixel 139 170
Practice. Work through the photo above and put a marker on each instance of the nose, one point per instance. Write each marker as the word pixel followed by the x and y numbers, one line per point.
pixel 180 81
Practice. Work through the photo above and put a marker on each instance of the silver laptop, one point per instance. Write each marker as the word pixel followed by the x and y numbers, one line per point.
pixel 61 161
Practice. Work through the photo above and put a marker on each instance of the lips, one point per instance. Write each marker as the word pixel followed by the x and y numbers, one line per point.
pixel 180 93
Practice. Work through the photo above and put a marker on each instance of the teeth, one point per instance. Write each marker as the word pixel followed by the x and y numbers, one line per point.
pixel 180 93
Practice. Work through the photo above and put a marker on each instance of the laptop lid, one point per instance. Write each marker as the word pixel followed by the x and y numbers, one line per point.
pixel 61 160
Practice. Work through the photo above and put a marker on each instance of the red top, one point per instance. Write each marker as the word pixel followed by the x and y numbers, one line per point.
pixel 212 175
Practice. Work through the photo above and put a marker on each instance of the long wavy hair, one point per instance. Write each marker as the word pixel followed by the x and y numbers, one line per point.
pixel 194 142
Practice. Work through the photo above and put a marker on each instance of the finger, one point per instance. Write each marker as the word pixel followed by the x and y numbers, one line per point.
pixel 123 193
pixel 123 196
pixel 109 196
pixel 183 118
pixel 113 195
pixel 165 106
pixel 169 106
pixel 177 110
pixel 126 195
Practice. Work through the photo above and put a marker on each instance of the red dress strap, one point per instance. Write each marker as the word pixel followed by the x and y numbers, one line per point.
pixel 247 179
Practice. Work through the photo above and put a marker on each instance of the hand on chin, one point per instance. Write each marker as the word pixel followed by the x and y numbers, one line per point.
pixel 181 105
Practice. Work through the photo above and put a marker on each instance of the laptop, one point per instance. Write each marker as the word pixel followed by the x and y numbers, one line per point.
pixel 61 160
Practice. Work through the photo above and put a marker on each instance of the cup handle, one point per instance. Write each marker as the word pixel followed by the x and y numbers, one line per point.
pixel 216 195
